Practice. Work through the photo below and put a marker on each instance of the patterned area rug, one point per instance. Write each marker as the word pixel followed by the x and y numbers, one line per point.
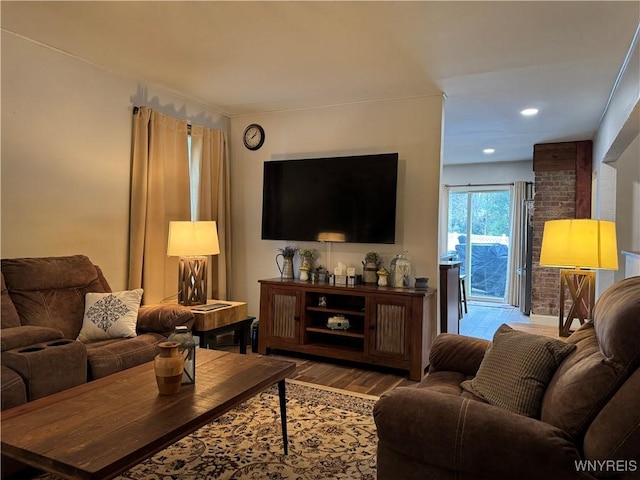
pixel 331 435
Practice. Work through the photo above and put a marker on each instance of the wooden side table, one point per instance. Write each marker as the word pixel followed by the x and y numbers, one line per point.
pixel 231 318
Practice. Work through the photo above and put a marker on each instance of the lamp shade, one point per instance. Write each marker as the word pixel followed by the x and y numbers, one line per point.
pixel 584 243
pixel 192 238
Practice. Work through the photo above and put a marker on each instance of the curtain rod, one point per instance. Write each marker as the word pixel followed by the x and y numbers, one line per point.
pixel 135 110
pixel 486 184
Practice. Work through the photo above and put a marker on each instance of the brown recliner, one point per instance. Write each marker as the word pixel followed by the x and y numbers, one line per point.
pixel 43 302
pixel 589 425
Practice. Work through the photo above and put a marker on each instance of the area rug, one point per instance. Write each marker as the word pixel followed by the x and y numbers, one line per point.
pixel 332 435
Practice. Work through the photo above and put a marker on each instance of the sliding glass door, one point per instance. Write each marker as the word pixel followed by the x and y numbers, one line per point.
pixel 479 234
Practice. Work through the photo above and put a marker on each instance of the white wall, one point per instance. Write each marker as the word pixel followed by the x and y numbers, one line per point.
pixel 66 153
pixel 478 173
pixel 411 127
pixel 616 159
pixel 628 203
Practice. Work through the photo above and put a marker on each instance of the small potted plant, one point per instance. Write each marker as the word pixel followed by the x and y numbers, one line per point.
pixel 308 256
pixel 371 263
pixel 288 251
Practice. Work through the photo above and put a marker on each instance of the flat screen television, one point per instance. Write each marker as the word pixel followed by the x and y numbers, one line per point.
pixel 351 199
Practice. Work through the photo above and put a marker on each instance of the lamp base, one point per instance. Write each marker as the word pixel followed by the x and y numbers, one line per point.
pixel 192 280
pixel 581 285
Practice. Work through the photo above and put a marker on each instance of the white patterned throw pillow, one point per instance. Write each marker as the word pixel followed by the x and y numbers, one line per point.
pixel 110 315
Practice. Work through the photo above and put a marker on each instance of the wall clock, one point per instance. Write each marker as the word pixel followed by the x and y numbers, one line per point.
pixel 253 136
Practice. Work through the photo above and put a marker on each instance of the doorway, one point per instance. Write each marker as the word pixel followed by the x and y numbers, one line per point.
pixel 478 234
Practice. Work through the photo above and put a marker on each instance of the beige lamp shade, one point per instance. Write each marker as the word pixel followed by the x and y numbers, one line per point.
pixel 582 243
pixel 192 239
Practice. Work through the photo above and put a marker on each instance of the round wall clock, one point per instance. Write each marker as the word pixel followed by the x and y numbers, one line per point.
pixel 253 136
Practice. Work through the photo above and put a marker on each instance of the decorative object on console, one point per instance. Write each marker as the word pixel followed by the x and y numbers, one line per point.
pixel 575 245
pixel 110 315
pixel 383 273
pixel 371 265
pixel 308 256
pixel 422 283
pixel 192 242
pixel 287 253
pixel 319 274
pixel 187 348
pixel 168 366
pixel 253 136
pixel 401 271
pixel 322 301
pixel 338 322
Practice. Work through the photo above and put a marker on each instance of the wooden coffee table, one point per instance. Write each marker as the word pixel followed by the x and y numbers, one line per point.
pixel 102 428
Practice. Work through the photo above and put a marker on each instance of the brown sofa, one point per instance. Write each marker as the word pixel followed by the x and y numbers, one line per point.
pixel 42 315
pixel 588 424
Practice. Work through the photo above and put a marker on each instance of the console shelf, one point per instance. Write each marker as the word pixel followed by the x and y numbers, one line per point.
pixel 392 327
pixel 335 310
pixel 340 333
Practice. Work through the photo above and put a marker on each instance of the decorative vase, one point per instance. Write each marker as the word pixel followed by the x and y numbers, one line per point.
pixel 286 271
pixel 168 366
pixel 304 275
pixel 369 273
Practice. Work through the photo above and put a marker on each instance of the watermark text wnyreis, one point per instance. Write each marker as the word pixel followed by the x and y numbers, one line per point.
pixel 610 466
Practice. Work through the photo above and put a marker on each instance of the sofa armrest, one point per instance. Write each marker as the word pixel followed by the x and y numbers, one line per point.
pixel 464 435
pixel 26 335
pixel 163 318
pixel 451 352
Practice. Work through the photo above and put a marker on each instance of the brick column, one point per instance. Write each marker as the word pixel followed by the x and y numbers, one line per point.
pixel 562 190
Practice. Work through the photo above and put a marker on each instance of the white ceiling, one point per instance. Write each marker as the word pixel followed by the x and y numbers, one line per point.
pixel 491 59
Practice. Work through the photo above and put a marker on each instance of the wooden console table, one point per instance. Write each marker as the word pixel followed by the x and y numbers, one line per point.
pixel 392 327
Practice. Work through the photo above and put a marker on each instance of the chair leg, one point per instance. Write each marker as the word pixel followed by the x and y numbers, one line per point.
pixel 463 296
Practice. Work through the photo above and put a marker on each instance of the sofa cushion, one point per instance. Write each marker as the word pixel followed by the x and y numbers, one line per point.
pixel 110 315
pixel 516 369
pixel 606 355
pixel 615 433
pixel 49 292
pixel 9 315
pixel 111 356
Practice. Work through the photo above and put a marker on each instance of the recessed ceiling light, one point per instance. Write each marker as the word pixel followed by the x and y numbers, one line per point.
pixel 527 112
pixel 489 150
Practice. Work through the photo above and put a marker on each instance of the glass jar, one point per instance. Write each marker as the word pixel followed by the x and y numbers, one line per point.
pixel 187 348
pixel 400 271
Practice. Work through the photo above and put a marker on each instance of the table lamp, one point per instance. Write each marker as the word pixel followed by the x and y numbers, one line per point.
pixel 192 242
pixel 578 246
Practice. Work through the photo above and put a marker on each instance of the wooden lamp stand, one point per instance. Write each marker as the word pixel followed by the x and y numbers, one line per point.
pixel 192 280
pixel 581 285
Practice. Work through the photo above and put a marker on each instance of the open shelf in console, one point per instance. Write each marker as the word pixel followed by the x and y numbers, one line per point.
pixel 340 333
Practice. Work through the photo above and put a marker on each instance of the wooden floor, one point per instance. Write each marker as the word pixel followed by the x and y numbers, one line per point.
pixel 481 321
pixel 344 375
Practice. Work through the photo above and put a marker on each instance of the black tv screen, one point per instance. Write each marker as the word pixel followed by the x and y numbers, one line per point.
pixel 351 199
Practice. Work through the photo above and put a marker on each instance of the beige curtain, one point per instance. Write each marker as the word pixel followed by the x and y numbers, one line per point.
pixel 210 175
pixel 520 191
pixel 159 193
